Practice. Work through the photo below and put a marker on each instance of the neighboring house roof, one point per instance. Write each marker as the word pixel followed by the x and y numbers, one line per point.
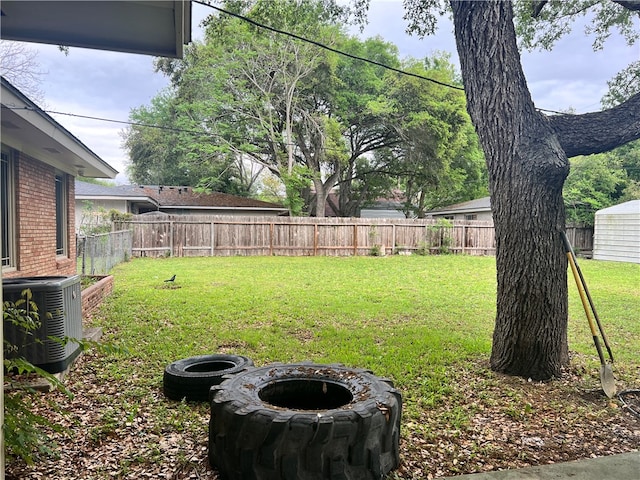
pixel 29 129
pixel 385 207
pixel 92 191
pixel 472 206
pixel 176 197
pixel 631 207
pixel 158 28
pixel 167 198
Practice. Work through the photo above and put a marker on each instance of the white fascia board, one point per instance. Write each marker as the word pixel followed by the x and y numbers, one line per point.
pixel 36 129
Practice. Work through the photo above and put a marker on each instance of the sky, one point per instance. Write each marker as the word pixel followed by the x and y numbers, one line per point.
pixel 109 84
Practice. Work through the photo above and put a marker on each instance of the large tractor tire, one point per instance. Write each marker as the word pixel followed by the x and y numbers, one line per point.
pixel 191 378
pixel 304 421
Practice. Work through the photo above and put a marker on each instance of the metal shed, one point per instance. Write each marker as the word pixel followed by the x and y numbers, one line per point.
pixel 617 233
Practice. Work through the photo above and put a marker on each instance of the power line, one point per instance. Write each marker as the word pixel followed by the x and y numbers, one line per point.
pixel 146 125
pixel 340 52
pixel 326 47
pixel 554 111
pixel 102 119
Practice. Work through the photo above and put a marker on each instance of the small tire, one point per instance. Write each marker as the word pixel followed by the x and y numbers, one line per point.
pixel 304 421
pixel 191 378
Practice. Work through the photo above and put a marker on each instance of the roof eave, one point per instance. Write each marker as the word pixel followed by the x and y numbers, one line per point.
pixel 29 129
pixel 158 27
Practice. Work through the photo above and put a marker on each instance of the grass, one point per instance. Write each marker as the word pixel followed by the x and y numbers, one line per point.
pixel 412 319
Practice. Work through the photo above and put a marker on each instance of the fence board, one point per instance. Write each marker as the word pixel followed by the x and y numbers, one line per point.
pixel 205 235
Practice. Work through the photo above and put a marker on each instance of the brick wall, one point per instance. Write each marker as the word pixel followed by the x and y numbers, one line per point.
pixel 93 295
pixel 36 221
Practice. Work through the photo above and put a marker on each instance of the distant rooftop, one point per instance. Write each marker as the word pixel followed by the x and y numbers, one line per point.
pixel 478 205
pixel 169 197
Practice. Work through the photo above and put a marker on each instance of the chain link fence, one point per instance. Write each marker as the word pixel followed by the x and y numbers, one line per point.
pixel 97 254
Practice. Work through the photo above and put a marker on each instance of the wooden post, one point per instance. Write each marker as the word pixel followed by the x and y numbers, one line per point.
pixel 271 228
pixel 464 237
pixel 355 239
pixel 213 239
pixel 315 239
pixel 171 238
pixel 393 240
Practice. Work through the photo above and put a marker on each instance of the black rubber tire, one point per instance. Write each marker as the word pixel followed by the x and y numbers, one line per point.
pixel 304 421
pixel 191 378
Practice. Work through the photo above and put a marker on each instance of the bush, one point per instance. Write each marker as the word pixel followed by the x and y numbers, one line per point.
pixel 24 431
pixel 440 236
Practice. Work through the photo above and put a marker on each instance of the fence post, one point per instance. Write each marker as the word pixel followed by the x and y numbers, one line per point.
pixel 271 228
pixel 355 239
pixel 315 239
pixel 171 232
pixel 84 255
pixel 464 237
pixel 213 238
pixel 393 240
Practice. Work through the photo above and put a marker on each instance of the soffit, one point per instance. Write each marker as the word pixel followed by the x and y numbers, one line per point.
pixel 159 28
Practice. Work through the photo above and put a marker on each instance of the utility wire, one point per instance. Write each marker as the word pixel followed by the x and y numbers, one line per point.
pixel 194 132
pixel 101 119
pixel 340 52
pixel 146 125
pixel 326 47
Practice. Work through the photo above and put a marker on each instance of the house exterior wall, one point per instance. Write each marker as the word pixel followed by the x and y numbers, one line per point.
pixel 35 208
pixel 238 212
pixel 380 213
pixel 480 216
pixel 97 205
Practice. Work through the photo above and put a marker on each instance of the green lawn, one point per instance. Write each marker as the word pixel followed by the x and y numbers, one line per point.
pixel 413 319
pixel 425 322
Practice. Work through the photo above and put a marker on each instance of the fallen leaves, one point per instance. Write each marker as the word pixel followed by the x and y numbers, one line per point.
pixel 126 428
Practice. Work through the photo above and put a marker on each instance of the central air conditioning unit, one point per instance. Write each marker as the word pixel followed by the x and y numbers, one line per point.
pixel 60 308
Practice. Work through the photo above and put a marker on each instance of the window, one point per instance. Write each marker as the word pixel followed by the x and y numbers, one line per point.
pixel 61 214
pixel 7 206
pixel 471 216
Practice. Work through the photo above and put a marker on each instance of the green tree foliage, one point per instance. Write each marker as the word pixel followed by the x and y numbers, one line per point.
pixel 541 24
pixel 263 98
pixel 261 95
pixel 438 161
pixel 594 182
pixel 600 181
pixel 369 125
pixel 176 153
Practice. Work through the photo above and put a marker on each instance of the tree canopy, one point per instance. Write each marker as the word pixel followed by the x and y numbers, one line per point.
pixel 317 120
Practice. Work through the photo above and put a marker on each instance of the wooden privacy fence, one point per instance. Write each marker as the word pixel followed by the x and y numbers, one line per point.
pixel 200 235
pixel 203 235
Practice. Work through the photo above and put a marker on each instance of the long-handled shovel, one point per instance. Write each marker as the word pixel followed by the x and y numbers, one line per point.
pixel 593 307
pixel 606 373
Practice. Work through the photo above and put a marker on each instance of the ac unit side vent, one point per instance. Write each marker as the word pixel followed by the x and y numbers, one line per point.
pixel 60 307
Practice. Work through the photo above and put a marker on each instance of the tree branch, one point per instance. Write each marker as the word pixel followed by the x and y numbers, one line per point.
pixel 537 8
pixel 633 5
pixel 598 132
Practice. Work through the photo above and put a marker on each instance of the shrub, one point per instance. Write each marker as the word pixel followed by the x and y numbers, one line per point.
pixel 24 434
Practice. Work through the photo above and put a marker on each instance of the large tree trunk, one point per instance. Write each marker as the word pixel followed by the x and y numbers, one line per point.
pixel 527 168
